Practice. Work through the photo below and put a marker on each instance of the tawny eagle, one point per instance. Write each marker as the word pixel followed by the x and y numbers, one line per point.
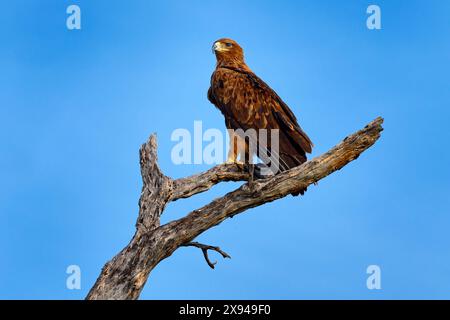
pixel 247 102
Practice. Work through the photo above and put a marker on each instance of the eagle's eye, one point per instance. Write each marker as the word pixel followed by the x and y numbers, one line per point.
pixel 228 44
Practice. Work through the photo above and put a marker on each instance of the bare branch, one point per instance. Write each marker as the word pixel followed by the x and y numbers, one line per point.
pixel 205 248
pixel 187 187
pixel 156 187
pixel 125 275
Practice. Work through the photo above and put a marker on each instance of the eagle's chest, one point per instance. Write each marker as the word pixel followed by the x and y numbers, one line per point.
pixel 228 91
pixel 221 85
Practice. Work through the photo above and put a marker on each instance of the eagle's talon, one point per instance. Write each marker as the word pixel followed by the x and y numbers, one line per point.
pixel 237 163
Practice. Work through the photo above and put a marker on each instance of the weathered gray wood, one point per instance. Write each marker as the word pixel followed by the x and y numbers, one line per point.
pixel 126 274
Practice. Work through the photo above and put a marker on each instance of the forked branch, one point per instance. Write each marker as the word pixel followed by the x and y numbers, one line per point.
pixel 205 248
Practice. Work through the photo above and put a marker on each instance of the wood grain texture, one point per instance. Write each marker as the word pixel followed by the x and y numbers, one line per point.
pixel 126 274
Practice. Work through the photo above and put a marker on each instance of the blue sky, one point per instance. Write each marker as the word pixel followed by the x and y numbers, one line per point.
pixel 76 105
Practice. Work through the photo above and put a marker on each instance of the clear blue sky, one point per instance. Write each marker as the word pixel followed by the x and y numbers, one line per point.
pixel 76 105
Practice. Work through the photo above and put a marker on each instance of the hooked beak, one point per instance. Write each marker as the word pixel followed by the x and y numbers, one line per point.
pixel 217 46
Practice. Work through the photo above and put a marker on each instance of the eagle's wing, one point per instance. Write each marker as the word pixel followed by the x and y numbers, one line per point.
pixel 247 102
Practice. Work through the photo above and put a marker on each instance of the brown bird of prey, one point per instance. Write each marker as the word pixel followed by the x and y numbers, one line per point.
pixel 247 102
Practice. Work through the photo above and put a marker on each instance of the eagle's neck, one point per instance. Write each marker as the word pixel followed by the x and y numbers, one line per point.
pixel 233 63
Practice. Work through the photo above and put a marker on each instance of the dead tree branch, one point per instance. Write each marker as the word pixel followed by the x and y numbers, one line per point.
pixel 125 275
pixel 205 248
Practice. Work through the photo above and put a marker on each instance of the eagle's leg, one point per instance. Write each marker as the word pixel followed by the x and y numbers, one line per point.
pixel 246 156
pixel 240 149
pixel 235 149
pixel 232 156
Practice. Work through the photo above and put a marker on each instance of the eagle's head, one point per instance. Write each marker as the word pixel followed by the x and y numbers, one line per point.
pixel 228 49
